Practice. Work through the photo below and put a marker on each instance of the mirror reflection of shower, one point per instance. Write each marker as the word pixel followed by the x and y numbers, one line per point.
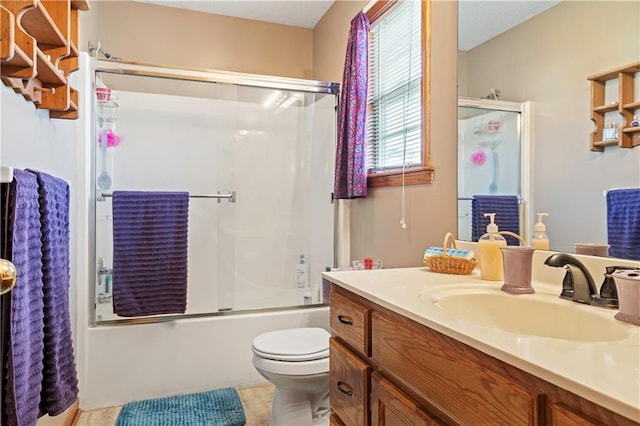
pixel 489 153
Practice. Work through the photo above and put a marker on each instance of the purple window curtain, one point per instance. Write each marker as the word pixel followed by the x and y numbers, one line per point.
pixel 351 175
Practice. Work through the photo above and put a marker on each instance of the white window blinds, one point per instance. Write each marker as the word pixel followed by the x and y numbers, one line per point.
pixel 394 95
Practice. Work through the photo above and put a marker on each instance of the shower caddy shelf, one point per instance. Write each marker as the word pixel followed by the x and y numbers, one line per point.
pixel 626 106
pixel 38 52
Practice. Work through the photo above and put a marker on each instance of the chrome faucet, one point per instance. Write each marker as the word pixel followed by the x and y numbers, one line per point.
pixel 577 285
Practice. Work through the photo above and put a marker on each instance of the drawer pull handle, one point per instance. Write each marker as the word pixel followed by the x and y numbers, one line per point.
pixel 345 320
pixel 345 388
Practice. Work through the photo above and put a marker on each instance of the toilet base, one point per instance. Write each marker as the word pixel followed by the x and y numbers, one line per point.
pixel 298 414
pixel 301 401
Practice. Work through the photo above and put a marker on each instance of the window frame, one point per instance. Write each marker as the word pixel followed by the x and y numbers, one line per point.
pixel 422 174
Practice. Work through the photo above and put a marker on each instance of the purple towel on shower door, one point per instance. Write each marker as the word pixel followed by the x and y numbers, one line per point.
pixel 25 347
pixel 623 223
pixel 150 252
pixel 507 210
pixel 60 381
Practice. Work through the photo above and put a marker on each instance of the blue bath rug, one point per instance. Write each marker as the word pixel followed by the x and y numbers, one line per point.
pixel 220 407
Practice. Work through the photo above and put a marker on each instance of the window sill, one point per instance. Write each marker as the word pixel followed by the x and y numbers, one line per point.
pixel 412 176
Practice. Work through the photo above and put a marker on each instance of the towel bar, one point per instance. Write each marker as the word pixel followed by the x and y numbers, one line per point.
pixel 231 196
pixel 520 200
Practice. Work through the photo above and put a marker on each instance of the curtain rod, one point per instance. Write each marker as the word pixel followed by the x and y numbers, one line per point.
pixel 369 6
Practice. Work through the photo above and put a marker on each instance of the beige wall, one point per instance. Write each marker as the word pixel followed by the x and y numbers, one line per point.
pixel 169 36
pixel 547 60
pixel 431 210
pixel 330 40
pixel 161 35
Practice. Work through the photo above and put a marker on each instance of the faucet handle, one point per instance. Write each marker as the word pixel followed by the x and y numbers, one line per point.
pixel 567 286
pixel 608 293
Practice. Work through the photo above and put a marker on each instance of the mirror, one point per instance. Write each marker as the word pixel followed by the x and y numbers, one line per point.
pixel 546 59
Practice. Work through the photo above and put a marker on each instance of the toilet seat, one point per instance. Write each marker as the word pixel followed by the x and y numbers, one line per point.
pixel 295 352
pixel 288 368
pixel 293 345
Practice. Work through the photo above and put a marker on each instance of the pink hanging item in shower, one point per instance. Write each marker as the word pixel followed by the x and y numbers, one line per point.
pixel 113 140
pixel 479 157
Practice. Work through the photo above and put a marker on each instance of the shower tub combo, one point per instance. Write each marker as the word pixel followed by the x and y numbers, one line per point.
pixel 256 155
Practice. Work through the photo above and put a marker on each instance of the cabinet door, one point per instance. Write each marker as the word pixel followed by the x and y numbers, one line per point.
pixel 334 420
pixel 348 385
pixel 444 373
pixel 559 415
pixel 390 407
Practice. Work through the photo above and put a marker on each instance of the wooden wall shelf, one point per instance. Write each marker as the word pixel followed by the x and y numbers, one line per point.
pixel 38 52
pixel 626 106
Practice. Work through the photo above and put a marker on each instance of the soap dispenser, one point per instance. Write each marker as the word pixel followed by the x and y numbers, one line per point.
pixel 540 240
pixel 491 264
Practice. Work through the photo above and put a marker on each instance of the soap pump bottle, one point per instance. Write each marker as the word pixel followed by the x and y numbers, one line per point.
pixel 491 263
pixel 540 240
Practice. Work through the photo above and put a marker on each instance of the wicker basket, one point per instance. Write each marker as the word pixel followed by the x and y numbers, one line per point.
pixel 446 264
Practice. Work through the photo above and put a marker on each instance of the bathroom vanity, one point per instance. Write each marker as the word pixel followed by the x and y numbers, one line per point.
pixel 410 347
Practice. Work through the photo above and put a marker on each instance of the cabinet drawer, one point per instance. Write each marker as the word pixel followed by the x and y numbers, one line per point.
pixel 350 323
pixel 348 385
pixel 444 374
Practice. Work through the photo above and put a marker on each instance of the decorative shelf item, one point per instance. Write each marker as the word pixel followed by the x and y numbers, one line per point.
pixel 38 52
pixel 626 106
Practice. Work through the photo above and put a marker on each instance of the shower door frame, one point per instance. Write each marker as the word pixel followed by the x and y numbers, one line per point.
pixel 526 135
pixel 340 219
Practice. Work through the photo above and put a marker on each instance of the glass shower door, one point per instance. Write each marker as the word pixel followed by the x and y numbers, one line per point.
pixel 280 160
pixel 257 163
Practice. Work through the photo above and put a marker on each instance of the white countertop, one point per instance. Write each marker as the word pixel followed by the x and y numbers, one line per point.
pixel 604 372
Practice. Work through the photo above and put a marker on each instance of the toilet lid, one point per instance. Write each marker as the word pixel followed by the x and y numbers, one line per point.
pixel 295 344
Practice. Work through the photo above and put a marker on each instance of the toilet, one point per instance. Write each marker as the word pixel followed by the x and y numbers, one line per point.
pixel 296 362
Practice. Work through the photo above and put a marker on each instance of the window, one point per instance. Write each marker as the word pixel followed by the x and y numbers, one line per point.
pixel 397 149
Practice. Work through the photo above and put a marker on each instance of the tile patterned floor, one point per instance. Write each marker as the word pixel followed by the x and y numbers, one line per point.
pixel 256 401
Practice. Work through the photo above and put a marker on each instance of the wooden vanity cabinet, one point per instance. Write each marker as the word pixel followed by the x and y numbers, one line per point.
pixel 389 370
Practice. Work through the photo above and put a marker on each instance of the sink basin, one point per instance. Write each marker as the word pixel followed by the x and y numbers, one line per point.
pixel 542 315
